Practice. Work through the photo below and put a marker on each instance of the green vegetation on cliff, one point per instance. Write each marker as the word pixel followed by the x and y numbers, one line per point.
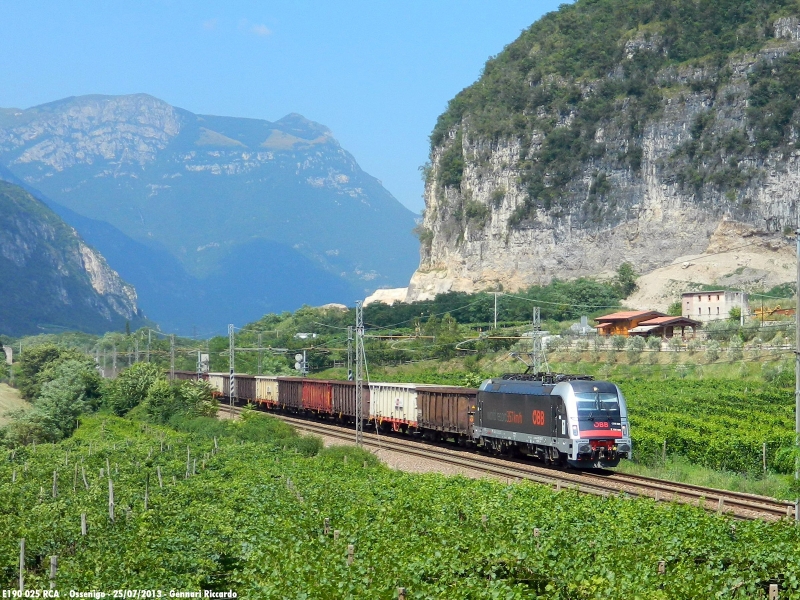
pixel 611 64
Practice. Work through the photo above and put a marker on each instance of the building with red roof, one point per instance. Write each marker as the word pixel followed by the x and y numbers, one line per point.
pixel 645 323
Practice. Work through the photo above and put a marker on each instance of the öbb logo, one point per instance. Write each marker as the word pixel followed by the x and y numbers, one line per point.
pixel 538 417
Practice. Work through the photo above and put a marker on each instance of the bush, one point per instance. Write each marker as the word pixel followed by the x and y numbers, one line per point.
pixel 712 351
pixel 636 345
pixel 618 342
pixel 735 349
pixel 131 387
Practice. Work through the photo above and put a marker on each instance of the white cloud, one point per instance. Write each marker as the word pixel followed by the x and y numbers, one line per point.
pixel 261 30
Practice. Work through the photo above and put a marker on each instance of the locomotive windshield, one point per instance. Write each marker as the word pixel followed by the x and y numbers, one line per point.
pixel 596 404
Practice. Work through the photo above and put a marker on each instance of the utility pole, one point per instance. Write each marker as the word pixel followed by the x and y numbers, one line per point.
pixel 149 334
pixel 495 309
pixel 539 360
pixel 359 374
pixel 231 381
pixel 172 357
pixel 797 368
pixel 350 353
pixel 259 353
pixel 136 343
pixel 114 359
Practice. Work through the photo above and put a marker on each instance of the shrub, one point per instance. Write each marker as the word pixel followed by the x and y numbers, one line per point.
pixel 131 387
pixel 712 351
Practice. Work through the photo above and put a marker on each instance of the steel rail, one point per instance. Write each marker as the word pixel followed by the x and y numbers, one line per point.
pixel 741 505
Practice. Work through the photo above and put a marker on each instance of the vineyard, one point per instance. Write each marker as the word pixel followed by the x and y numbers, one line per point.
pixel 721 424
pixel 244 507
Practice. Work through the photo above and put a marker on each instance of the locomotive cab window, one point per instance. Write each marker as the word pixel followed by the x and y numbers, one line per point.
pixel 595 404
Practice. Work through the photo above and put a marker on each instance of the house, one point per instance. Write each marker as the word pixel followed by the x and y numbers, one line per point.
pixel 712 306
pixel 645 323
pixel 665 327
pixel 619 323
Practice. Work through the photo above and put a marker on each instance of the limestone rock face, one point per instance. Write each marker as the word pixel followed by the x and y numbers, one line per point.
pixel 50 279
pixel 649 213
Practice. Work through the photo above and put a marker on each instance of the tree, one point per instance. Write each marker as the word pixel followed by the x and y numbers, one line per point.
pixel 626 280
pixel 618 342
pixel 674 309
pixel 635 347
pixel 131 387
pixel 712 351
pixel 735 314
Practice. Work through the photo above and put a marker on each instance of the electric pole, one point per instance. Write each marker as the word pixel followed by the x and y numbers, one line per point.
pixel 172 357
pixel 359 374
pixel 350 353
pixel 797 370
pixel 136 343
pixel 231 381
pixel 539 359
pixel 149 339
pixel 495 309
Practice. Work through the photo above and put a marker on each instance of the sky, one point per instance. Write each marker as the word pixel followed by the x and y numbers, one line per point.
pixel 377 73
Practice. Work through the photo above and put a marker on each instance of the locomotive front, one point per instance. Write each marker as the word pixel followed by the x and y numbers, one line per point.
pixel 598 423
pixel 556 418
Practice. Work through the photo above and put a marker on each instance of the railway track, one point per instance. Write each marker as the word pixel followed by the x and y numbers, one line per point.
pixel 737 504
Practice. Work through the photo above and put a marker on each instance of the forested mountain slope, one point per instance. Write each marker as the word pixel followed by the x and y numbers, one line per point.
pixel 613 131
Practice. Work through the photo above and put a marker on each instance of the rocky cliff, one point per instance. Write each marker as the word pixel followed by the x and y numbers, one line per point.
pixel 50 279
pixel 614 131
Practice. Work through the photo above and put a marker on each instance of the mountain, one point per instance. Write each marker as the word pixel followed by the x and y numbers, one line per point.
pixel 616 131
pixel 50 279
pixel 212 193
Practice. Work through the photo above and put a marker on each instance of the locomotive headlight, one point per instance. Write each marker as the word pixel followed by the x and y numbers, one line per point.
pixel 624 430
pixel 574 431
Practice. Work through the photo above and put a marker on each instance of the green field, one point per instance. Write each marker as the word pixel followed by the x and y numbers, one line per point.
pixel 251 519
pixel 10 400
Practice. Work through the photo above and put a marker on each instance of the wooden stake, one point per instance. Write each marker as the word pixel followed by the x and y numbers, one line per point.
pixel 662 567
pixel 66 459
pixel 484 520
pixel 22 565
pixel 53 568
pixel 350 552
pixel 188 464
pixel 335 534
pixel 773 591
pixel 327 527
pixel 764 456
pixel 110 499
pixel 108 467
pixel 75 479
pixel 721 504
pixel 536 532
pixel 215 443
pixel 194 466
pixel 160 483
pixel 658 495
pixel 664 452
pixel 102 472
pixel 55 484
pixel 83 523
pixel 83 473
pixel 14 476
pixel 401 593
pixel 146 489
pixel 174 480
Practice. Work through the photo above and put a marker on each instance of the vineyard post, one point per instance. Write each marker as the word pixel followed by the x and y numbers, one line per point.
pixel 160 483
pixel 53 569
pixel 351 549
pixel 22 565
pixel 664 452
pixel 83 473
pixel 146 489
pixel 401 593
pixel 55 484
pixel 75 479
pixel 110 499
pixel 83 523
pixel 773 591
pixel 764 456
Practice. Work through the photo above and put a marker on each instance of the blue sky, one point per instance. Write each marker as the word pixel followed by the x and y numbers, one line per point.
pixel 377 73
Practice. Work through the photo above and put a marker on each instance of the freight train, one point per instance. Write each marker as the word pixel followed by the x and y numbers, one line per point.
pixel 559 419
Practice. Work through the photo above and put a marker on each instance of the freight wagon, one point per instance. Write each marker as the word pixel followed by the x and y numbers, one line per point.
pixel 393 405
pixel 446 411
pixel 344 400
pixel 317 396
pixel 290 393
pixel 267 390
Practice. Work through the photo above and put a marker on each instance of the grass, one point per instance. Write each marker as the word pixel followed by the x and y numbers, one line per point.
pixel 10 399
pixel 680 470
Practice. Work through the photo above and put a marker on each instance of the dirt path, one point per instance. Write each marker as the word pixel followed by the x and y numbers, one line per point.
pixel 9 400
